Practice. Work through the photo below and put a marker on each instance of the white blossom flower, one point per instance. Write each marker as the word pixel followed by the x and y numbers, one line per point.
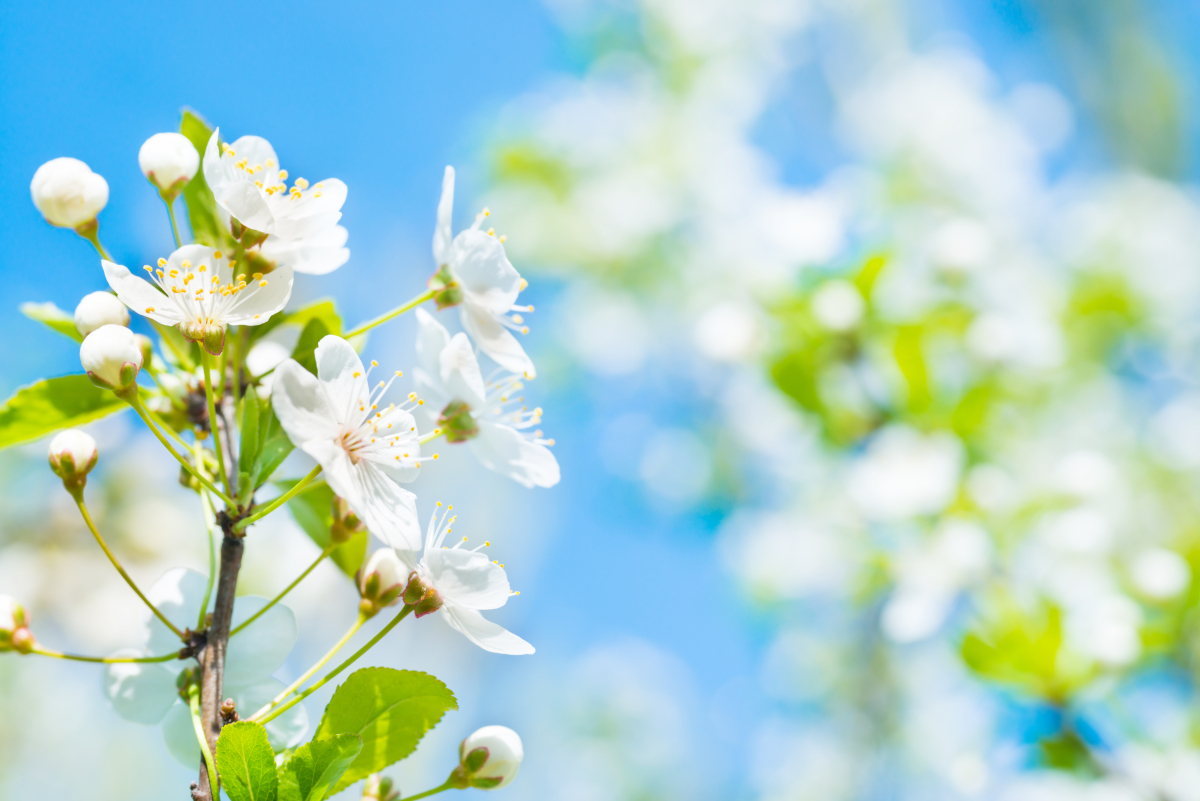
pixel 112 356
pixel 68 193
pixel 465 582
pixel 97 309
pixel 169 161
pixel 196 290
pixel 72 453
pixel 301 223
pixel 364 450
pixel 489 416
pixel 489 283
pixel 504 755
pixel 147 693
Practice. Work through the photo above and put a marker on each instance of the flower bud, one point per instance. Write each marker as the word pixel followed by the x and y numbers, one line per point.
pixel 423 598
pixel 169 160
pixel 345 523
pixel 491 757
pixel 381 581
pixel 14 627
pixel 68 193
pixel 97 309
pixel 457 422
pixel 72 456
pixel 111 356
pixel 379 788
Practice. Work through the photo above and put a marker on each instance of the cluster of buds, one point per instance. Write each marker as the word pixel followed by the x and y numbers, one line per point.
pixel 379 788
pixel 488 759
pixel 345 523
pixel 14 627
pixel 383 582
pixel 73 454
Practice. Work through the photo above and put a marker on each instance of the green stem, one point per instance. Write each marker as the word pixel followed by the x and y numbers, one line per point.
pixel 108 660
pixel 153 415
pixel 194 705
pixel 328 676
pixel 291 688
pixel 328 550
pixel 174 227
pixel 137 406
pixel 212 423
pixel 362 328
pixel 277 502
pixel 87 518
pixel 91 232
pixel 445 786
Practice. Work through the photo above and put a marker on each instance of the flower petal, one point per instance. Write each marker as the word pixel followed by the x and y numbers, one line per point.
pixel 484 271
pixel 467 578
pixel 503 449
pixel 460 372
pixel 140 692
pixel 496 341
pixel 315 210
pixel 442 235
pixel 342 374
pixel 284 731
pixel 487 635
pixel 315 253
pixel 302 405
pixel 178 594
pixel 254 305
pixel 390 511
pixel 140 295
pixel 432 339
pixel 262 647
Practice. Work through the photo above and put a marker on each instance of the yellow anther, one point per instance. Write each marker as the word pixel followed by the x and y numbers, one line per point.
pixel 375 364
pixel 258 184
pixel 436 455
pixel 147 269
pixel 300 182
pixel 398 374
pixel 503 239
pixel 217 254
pixel 316 194
pixel 524 284
pixel 529 307
pixel 487 544
pixel 464 538
pixel 160 275
pixel 439 503
pixel 185 264
pixel 486 212
pixel 283 175
pixel 149 309
pixel 262 283
pixel 242 278
pixel 491 232
pixel 271 163
pixel 257 276
pixel 525 330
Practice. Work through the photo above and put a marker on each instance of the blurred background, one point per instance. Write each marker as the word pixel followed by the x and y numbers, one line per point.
pixel 868 330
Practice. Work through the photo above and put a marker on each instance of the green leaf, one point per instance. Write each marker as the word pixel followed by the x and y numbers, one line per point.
pixel 318 310
pixel 51 404
pixel 313 511
pixel 274 446
pixel 248 423
pixel 201 206
pixel 51 315
pixel 246 762
pixel 315 767
pixel 314 330
pixel 390 709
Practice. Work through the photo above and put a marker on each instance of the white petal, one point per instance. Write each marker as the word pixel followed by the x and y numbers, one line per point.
pixel 432 391
pixel 284 731
pixel 460 372
pixel 254 149
pixel 317 253
pixel 342 374
pixel 141 692
pixel 177 594
pixel 301 404
pixel 504 450
pixel 486 275
pixel 496 341
pixel 180 736
pixel 262 647
pixel 487 635
pixel 254 305
pixel 140 295
pixel 441 234
pixel 246 203
pixel 337 469
pixel 315 210
pixel 467 578
pixel 389 511
pixel 432 339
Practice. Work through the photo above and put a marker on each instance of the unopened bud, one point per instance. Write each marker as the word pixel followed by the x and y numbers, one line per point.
pixel 490 758
pixel 73 454
pixel 97 309
pixel 111 356
pixel 379 788
pixel 68 193
pixel 229 711
pixel 345 523
pixel 14 627
pixel 381 581
pixel 169 161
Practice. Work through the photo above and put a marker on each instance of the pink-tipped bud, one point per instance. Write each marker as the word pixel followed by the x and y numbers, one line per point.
pixel 111 356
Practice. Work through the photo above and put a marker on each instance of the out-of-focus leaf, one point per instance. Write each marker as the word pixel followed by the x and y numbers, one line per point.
pixel 865 279
pixel 246 762
pixel 274 446
pixel 313 769
pixel 313 511
pixel 51 315
pixel 52 404
pixel 319 310
pixel 390 709
pixel 198 198
pixel 314 330
pixel 911 361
